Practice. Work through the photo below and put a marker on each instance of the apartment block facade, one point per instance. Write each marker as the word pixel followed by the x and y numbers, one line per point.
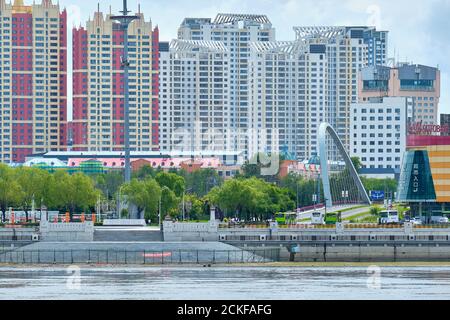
pixel 195 96
pixel 236 31
pixel 289 96
pixel 378 134
pixel 33 79
pixel 348 50
pixel 98 85
pixel 420 84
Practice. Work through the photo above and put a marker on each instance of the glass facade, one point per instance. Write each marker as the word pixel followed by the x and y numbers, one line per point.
pixel 376 85
pixel 416 180
pixel 420 85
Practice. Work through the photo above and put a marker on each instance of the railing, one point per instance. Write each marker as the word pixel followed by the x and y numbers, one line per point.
pixel 120 257
pixel 12 237
pixel 373 226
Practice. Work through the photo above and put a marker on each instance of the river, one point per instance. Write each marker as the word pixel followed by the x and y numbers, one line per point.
pixel 236 283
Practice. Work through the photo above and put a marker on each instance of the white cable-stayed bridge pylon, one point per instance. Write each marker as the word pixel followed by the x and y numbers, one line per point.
pixel 340 180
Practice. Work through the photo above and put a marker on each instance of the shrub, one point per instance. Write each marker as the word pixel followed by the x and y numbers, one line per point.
pixel 375 211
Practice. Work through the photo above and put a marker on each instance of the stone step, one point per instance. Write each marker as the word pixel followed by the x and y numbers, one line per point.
pixel 128 235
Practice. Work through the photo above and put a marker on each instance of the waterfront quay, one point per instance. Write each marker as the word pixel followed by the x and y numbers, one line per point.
pixel 212 243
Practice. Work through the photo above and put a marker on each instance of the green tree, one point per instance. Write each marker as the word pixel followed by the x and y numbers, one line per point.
pixel 301 190
pixel 34 183
pixel 73 191
pixel 145 172
pixel 109 183
pixel 251 170
pixel 172 181
pixel 169 202
pixel 145 195
pixel 357 163
pixel 387 185
pixel 10 190
pixel 200 182
pixel 251 198
pixel 194 207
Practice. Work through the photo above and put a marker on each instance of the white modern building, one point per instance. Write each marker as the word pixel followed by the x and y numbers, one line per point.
pixel 236 32
pixel 194 96
pixel 288 96
pixel 378 134
pixel 349 49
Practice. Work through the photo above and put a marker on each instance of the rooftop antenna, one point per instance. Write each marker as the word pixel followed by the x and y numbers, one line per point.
pixel 124 21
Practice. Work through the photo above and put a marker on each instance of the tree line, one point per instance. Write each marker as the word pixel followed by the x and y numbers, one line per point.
pixel 175 193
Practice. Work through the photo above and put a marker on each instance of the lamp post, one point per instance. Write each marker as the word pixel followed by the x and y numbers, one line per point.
pixel 124 21
pixel 160 200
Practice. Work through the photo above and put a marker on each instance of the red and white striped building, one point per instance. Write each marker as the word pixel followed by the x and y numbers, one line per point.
pixel 98 85
pixel 33 79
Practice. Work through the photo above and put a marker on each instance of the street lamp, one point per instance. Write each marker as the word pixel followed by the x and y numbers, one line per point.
pixel 124 21
pixel 184 205
pixel 160 200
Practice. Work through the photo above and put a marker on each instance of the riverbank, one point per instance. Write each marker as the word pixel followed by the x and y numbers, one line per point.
pixel 406 264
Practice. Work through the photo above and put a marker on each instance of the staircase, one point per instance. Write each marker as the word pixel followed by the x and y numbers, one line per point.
pixel 128 235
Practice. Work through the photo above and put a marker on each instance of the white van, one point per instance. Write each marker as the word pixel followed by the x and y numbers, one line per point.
pixel 389 217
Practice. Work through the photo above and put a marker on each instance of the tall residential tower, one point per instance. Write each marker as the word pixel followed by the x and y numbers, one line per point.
pixel 194 96
pixel 98 87
pixel 236 32
pixel 33 79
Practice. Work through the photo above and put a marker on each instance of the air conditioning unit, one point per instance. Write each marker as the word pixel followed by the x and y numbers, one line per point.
pixel 223 237
pixel 373 237
pixel 294 238
pixel 35 237
pixel 412 238
pixel 262 237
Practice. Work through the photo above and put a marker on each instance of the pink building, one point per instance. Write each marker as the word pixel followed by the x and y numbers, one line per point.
pixel 33 79
pixel 420 84
pixel 98 87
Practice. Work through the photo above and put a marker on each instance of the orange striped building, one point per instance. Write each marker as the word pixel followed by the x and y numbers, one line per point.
pixel 438 150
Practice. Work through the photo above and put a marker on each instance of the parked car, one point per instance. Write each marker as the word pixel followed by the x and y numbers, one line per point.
pixel 439 220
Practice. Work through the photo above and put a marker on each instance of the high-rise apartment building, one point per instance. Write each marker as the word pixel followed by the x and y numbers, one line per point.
pixel 420 84
pixel 98 87
pixel 347 53
pixel 288 96
pixel 378 134
pixel 236 31
pixel 194 96
pixel 33 79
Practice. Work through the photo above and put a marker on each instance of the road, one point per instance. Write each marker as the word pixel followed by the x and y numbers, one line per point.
pixel 307 214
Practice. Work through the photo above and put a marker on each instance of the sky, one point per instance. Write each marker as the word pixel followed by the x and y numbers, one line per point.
pixel 418 30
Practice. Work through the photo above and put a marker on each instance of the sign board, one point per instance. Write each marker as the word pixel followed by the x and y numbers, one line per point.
pixel 418 128
pixel 377 195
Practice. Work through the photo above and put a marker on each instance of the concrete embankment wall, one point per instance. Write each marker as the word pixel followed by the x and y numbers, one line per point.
pixel 53 232
pixel 174 231
pixel 367 253
pixel 17 234
pixel 135 253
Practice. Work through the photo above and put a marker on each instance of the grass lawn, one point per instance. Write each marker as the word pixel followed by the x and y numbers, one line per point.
pixel 357 216
pixel 350 209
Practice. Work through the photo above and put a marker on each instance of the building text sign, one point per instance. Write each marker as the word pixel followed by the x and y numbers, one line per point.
pixel 419 128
